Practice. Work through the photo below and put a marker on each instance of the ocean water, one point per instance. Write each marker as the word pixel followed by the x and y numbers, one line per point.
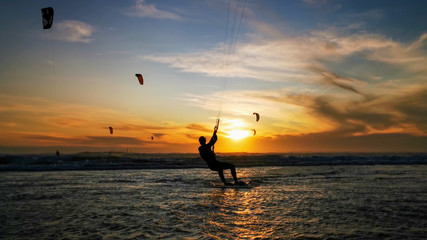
pixel 123 160
pixel 285 202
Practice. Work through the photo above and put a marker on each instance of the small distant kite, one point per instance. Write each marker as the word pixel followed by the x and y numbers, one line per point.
pixel 254 131
pixel 111 130
pixel 47 17
pixel 257 116
pixel 140 78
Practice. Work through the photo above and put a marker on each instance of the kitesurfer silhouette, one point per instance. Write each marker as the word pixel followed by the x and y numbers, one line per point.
pixel 208 155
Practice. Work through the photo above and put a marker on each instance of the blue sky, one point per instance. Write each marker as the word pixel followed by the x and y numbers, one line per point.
pixel 324 75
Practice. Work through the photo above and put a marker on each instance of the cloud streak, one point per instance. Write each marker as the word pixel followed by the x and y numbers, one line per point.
pixel 96 141
pixel 335 79
pixel 404 113
pixel 143 10
pixel 345 58
pixel 73 31
pixel 284 58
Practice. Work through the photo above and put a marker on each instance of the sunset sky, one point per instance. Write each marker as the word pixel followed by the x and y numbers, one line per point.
pixel 324 75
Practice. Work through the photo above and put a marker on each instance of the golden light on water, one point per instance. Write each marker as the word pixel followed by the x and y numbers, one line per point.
pixel 239 214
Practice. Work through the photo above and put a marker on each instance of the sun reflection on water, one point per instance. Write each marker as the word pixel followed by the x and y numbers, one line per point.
pixel 267 210
pixel 238 212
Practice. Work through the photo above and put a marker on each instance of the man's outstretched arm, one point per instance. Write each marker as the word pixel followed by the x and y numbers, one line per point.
pixel 214 138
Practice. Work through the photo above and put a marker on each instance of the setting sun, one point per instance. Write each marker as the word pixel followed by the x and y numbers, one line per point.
pixel 237 134
pixel 320 84
pixel 220 119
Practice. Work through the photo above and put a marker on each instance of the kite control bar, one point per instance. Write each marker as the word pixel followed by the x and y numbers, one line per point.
pixel 217 124
pixel 216 129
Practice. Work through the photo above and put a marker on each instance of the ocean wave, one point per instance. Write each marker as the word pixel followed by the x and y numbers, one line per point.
pixel 112 161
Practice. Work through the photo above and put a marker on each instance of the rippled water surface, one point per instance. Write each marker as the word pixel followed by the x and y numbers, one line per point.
pixel 330 202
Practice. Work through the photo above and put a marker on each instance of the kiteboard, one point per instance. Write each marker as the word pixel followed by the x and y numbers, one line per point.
pixel 244 185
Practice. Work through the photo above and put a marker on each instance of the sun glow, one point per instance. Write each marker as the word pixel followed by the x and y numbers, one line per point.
pixel 237 134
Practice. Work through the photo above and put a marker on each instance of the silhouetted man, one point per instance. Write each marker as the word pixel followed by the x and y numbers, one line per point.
pixel 208 155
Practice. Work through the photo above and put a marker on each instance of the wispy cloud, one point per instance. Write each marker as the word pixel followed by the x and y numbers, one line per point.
pixel 413 108
pixel 286 58
pixel 94 141
pixel 144 10
pixel 198 127
pixel 411 56
pixel 336 80
pixel 399 112
pixel 73 31
pixel 33 121
pixel 345 59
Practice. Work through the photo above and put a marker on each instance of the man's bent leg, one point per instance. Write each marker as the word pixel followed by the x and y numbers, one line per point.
pixel 221 175
pixel 230 166
pixel 233 173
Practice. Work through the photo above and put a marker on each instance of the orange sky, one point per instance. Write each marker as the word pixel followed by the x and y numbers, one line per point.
pixel 324 77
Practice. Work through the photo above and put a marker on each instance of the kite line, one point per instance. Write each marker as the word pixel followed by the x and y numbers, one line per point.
pixel 234 21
